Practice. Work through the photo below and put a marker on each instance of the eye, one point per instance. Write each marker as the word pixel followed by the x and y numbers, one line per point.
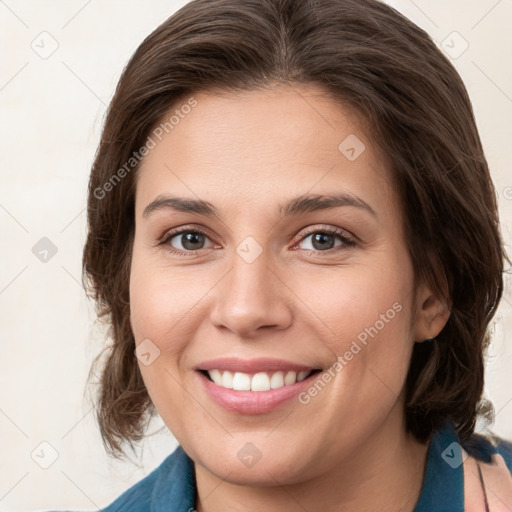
pixel 185 240
pixel 327 239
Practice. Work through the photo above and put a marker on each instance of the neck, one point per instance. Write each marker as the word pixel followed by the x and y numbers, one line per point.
pixel 384 473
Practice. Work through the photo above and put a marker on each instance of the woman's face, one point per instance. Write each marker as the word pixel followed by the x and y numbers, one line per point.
pixel 321 283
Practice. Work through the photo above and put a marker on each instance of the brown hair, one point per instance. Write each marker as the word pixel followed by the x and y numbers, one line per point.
pixel 365 55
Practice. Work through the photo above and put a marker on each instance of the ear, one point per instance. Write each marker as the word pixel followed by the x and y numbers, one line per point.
pixel 432 313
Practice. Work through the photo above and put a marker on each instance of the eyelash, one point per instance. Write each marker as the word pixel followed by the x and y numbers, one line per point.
pixel 346 241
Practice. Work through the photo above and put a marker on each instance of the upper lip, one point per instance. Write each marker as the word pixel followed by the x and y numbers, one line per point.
pixel 262 364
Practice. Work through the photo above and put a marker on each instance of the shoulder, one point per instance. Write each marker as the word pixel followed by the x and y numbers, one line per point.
pixel 483 447
pixel 488 459
pixel 138 497
pixel 170 487
pixel 173 482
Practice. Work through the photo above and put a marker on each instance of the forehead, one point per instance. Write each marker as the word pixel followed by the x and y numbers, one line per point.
pixel 263 123
pixel 285 140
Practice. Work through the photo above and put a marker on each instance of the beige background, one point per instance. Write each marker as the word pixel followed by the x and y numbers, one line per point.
pixel 52 110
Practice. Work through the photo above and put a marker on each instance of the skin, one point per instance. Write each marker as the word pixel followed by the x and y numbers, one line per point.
pixel 246 153
pixel 496 480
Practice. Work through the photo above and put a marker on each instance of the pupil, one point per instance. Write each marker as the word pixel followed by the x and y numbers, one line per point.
pixel 188 240
pixel 320 239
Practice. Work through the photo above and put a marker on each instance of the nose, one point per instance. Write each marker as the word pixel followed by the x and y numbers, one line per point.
pixel 250 298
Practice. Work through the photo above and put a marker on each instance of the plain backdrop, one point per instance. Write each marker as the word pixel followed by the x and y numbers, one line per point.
pixel 59 65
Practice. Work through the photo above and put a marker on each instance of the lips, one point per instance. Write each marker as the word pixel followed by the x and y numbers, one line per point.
pixel 234 364
pixel 258 401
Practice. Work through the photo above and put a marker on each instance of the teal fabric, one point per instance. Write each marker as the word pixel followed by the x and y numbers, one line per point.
pixel 443 483
pixel 172 487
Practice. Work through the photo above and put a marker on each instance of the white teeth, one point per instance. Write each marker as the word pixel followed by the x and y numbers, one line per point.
pixel 290 378
pixel 227 380
pixel 242 382
pixel 216 376
pixel 262 381
pixel 277 380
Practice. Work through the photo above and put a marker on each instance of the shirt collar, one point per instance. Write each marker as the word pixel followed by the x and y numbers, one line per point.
pixel 443 483
pixel 176 488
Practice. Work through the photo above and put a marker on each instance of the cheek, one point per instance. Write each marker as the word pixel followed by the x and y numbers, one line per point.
pixel 366 315
pixel 161 296
pixel 162 305
pixel 349 302
pixel 162 310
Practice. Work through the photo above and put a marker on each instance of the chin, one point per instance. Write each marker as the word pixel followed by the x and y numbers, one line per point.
pixel 267 471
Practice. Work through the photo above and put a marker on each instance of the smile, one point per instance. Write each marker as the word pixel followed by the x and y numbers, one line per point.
pixel 262 381
pixel 263 398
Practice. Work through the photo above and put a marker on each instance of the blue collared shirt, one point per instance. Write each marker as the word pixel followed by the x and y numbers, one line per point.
pixel 172 487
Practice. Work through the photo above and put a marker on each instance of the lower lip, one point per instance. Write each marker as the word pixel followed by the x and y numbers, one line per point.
pixel 253 402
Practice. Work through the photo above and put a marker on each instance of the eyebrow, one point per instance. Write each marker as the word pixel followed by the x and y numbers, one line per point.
pixel 296 206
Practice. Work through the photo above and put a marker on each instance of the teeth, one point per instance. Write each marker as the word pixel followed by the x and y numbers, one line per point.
pixel 242 381
pixel 302 375
pixel 277 380
pixel 227 380
pixel 261 381
pixel 216 376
